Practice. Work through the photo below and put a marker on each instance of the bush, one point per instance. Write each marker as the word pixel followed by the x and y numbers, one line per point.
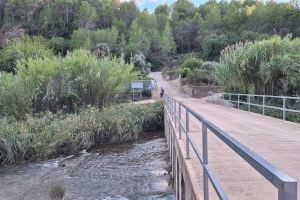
pixel 198 77
pixel 57 192
pixel 192 63
pixel 107 36
pixel 78 79
pixel 52 135
pixel 209 66
pixel 265 67
pixel 252 36
pixel 170 73
pixel 184 71
pixel 189 63
pixel 15 100
pixel 213 44
pixel 28 47
pixel 140 63
pixel 81 39
pixel 59 45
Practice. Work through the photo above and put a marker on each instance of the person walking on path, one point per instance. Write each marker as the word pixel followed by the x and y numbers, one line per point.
pixel 162 91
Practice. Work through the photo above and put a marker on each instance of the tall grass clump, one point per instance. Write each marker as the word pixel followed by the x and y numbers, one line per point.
pixel 27 47
pixel 57 192
pixel 270 66
pixel 14 98
pixel 53 135
pixel 62 83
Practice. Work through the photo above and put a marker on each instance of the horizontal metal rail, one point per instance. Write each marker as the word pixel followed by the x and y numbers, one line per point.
pixel 282 107
pixel 287 186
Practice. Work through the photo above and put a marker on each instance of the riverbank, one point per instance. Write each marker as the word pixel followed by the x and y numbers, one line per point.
pixel 54 135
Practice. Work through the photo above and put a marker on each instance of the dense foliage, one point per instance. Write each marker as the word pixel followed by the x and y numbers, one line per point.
pixel 28 47
pixel 194 71
pixel 53 135
pixel 207 28
pixel 61 83
pixel 269 66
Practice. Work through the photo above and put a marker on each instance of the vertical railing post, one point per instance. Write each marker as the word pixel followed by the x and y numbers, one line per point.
pixel 172 112
pixel 229 96
pixel 283 108
pixel 187 133
pixel 288 191
pixel 249 102
pixel 168 101
pixel 175 111
pixel 264 103
pixel 238 101
pixel 205 160
pixel 179 120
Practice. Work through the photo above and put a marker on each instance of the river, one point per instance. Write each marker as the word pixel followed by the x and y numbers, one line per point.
pixel 138 170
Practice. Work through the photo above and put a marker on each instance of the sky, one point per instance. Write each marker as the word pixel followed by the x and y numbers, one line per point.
pixel 152 4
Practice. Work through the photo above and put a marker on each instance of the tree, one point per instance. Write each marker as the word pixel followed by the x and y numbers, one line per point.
pixel 184 28
pixel 57 18
pixel 108 36
pixel 213 44
pixel 86 16
pixel 105 10
pixel 26 48
pixel 81 38
pixel 162 10
pixel 128 11
pixel 182 10
pixel 138 41
pixel 167 43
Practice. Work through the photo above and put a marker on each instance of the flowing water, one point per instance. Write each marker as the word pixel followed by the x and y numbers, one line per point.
pixel 138 170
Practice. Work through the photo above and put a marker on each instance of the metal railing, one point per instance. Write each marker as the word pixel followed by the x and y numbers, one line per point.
pixel 287 186
pixel 238 99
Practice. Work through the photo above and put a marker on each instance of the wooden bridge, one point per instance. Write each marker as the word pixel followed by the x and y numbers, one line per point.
pixel 219 152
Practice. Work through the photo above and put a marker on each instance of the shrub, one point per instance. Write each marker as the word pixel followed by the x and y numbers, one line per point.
pixel 170 73
pixel 198 77
pixel 81 38
pixel 209 66
pixel 213 44
pixel 28 47
pixel 252 36
pixel 53 135
pixel 59 45
pixel 15 100
pixel 140 63
pixel 78 79
pixel 57 192
pixel 184 71
pixel 269 66
pixel 192 63
pixel 107 36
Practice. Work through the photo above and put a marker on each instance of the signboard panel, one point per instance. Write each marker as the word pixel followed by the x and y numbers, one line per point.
pixel 137 85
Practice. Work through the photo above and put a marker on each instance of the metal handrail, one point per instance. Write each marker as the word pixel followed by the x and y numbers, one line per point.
pixel 283 108
pixel 287 186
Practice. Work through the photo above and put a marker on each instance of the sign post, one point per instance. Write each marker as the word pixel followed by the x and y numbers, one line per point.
pixel 136 85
